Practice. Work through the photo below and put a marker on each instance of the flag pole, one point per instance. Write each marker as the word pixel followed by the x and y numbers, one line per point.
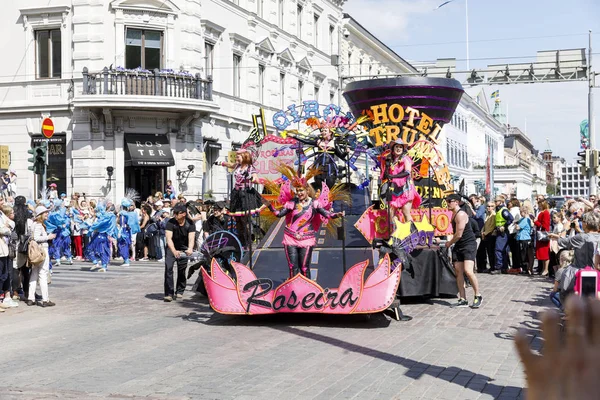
pixel 467 28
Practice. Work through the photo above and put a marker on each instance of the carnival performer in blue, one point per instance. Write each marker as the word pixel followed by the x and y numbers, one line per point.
pixel 59 223
pixel 98 249
pixel 129 225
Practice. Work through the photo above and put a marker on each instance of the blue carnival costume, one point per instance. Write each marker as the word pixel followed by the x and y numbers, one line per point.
pixel 59 223
pixel 128 223
pixel 98 249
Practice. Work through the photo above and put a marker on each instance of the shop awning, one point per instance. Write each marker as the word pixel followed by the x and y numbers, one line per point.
pixel 148 151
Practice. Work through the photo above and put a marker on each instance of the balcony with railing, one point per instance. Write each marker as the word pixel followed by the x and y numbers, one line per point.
pixel 166 90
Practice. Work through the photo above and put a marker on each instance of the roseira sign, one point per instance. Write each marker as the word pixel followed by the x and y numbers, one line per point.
pixel 251 295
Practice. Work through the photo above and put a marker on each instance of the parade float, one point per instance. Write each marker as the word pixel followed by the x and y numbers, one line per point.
pixel 364 260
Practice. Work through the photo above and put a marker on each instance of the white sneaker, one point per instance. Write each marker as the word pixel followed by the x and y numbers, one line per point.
pixel 10 303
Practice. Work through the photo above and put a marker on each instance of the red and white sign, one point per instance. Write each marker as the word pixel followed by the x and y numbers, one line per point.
pixel 47 128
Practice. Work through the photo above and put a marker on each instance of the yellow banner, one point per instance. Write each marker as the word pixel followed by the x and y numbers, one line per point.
pixel 4 157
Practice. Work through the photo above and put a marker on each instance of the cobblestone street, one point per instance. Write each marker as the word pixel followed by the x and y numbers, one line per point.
pixel 112 336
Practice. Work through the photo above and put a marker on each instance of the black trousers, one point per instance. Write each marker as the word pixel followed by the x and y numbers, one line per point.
pixel 5 276
pixel 299 259
pixel 523 255
pixel 170 261
pixel 513 245
pixel 490 247
pixel 481 257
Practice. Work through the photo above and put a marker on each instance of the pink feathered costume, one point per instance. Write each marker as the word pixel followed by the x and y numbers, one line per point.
pixel 302 223
pixel 403 189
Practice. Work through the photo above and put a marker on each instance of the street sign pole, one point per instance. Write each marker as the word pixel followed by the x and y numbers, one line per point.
pixel 593 186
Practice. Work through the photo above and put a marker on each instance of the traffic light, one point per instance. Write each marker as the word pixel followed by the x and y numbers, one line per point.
pixel 584 160
pixel 594 162
pixel 41 158
pixel 31 159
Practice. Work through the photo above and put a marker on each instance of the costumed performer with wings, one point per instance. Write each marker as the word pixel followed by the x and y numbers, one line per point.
pixel 304 212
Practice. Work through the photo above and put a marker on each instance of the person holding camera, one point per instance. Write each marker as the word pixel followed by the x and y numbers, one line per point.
pixel 584 246
pixel 180 233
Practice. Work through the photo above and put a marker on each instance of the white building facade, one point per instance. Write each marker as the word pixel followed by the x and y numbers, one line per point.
pixel 156 90
pixel 572 182
pixel 470 138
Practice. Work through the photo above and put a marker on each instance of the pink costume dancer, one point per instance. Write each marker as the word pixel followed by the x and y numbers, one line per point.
pixel 396 178
pixel 304 216
pixel 244 200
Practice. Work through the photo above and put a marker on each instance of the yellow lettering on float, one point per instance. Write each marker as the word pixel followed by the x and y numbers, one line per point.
pixel 377 132
pixel 412 113
pixel 391 133
pixel 434 135
pixel 425 124
pixel 396 113
pixel 409 135
pixel 380 114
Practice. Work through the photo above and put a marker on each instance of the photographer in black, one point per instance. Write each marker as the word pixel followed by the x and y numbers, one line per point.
pixel 217 221
pixel 180 233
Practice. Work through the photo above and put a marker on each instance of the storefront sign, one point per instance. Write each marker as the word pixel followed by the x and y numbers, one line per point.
pixel 148 151
pixel 56 170
pixel 213 145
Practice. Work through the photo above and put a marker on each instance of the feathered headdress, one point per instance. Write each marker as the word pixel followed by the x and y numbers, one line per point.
pixel 295 179
pixel 131 196
pixel 44 193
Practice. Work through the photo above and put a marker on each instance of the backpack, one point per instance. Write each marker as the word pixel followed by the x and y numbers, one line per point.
pixel 475 227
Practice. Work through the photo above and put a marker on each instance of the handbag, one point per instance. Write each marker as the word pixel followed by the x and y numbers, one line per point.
pixel 150 230
pixel 542 236
pixel 35 253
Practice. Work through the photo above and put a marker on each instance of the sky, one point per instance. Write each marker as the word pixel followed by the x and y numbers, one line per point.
pixel 548 112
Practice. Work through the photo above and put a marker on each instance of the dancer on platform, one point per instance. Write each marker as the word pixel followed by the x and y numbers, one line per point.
pixel 105 227
pixel 244 201
pixel 397 186
pixel 128 221
pixel 326 148
pixel 305 213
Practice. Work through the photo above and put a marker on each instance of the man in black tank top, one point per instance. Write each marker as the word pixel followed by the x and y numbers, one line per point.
pixel 464 252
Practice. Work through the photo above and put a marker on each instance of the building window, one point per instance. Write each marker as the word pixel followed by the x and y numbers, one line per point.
pixel 280 10
pixel 282 88
pixel 299 21
pixel 261 83
pixel 331 97
pixel 209 56
pixel 349 62
pixel 237 62
pixel 48 53
pixel 360 65
pixel 317 93
pixel 259 7
pixel 143 48
pixel 331 38
pixel 316 28
pixel 300 91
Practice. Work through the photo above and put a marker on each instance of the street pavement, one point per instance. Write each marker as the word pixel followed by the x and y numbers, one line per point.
pixel 111 336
